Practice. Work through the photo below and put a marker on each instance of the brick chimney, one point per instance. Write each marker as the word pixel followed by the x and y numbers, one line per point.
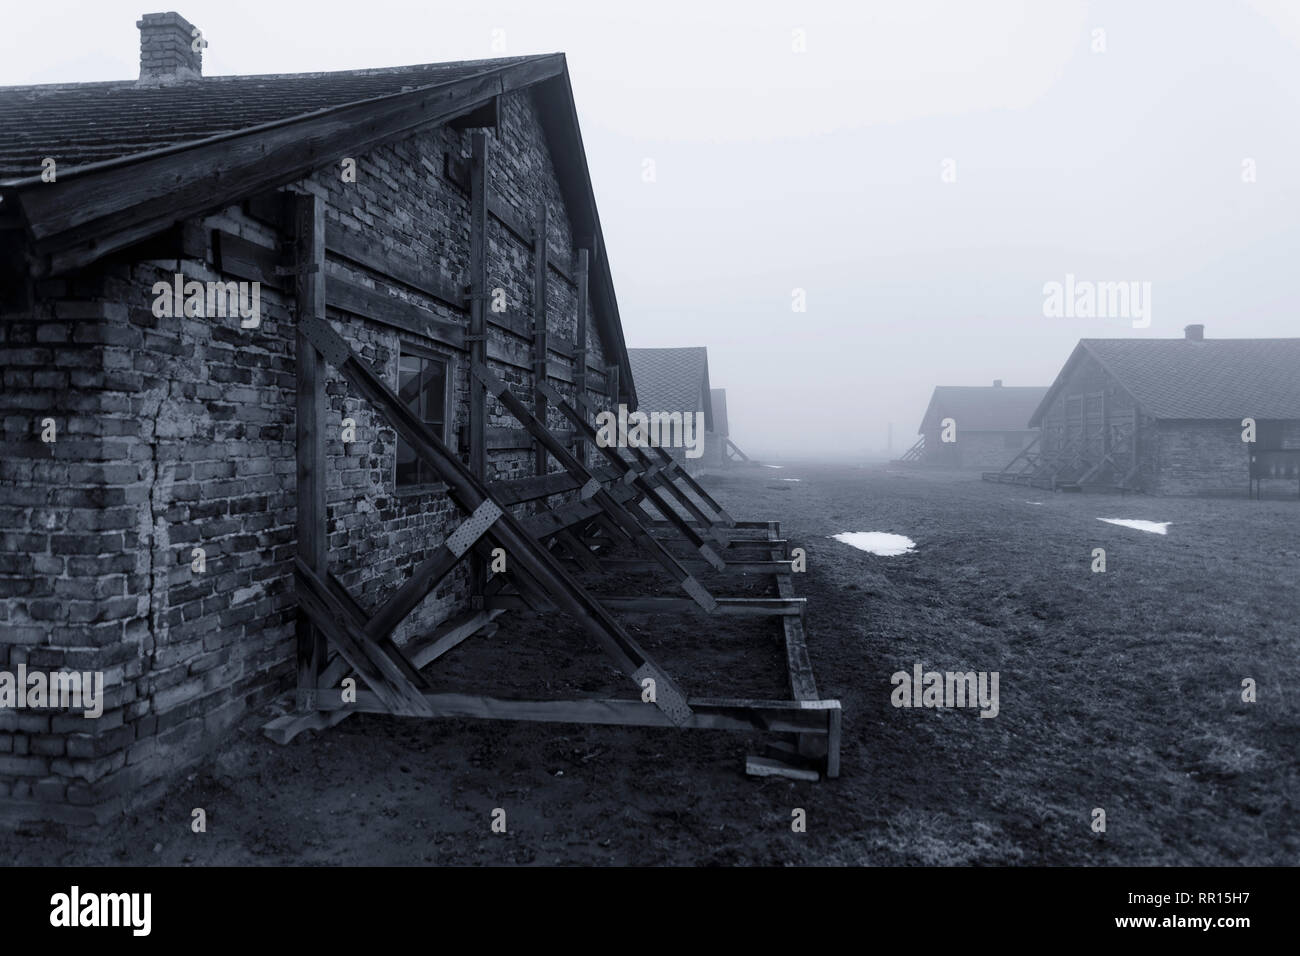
pixel 167 53
pixel 997 383
pixel 1194 333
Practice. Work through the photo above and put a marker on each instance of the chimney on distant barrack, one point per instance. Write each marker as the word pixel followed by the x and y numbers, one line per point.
pixel 171 49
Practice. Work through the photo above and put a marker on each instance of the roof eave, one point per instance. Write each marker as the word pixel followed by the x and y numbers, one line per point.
pixel 105 206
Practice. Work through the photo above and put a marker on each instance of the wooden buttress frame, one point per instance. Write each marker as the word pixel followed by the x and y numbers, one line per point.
pixel 338 638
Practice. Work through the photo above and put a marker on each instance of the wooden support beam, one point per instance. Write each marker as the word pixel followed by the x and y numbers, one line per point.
pixel 388 679
pixel 580 349
pixel 526 555
pixel 593 489
pixel 430 572
pixel 774 716
pixel 308 256
pixel 637 479
pixel 731 607
pixel 109 207
pixel 371 254
pixel 478 284
pixel 659 475
pixel 539 331
pixel 347 296
pixel 445 636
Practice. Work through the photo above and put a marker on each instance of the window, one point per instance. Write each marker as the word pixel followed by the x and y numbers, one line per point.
pixel 422 386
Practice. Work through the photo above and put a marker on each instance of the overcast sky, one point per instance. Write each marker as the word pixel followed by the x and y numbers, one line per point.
pixel 824 170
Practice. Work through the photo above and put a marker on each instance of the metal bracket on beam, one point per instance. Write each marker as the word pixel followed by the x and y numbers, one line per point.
pixel 667 697
pixel 473 527
pixel 325 340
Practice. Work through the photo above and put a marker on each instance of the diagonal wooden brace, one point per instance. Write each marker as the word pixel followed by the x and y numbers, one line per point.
pixel 468 492
pixel 626 521
pixel 638 479
pixel 668 466
pixel 381 673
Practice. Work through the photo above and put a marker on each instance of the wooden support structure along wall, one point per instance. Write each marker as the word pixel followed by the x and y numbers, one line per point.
pixel 593 489
pixel 526 556
pixel 307 215
pixel 662 475
pixel 636 479
pixel 362 641
pixel 579 351
pixel 539 333
pixel 478 292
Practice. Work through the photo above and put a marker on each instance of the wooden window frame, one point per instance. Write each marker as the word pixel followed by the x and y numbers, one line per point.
pixel 449 410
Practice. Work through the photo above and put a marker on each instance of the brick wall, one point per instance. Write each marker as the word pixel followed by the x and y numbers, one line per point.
pixel 177 434
pixel 1201 458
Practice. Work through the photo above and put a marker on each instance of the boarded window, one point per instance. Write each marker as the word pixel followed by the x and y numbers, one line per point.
pixel 422 387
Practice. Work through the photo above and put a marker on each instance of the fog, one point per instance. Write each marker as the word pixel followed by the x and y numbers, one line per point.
pixel 919 169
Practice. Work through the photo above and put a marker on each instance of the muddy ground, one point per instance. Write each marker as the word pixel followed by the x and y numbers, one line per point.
pixel 1119 690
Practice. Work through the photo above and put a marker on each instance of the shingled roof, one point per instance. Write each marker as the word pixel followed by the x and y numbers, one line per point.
pixel 982 408
pixel 1197 378
pixel 136 157
pixel 84 123
pixel 673 380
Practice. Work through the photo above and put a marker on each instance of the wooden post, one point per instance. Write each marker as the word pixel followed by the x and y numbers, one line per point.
pixel 539 331
pixel 478 334
pixel 611 379
pixel 580 347
pixel 308 219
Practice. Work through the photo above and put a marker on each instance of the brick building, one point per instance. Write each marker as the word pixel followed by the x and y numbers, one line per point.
pixel 675 382
pixel 153 538
pixel 1166 416
pixel 989 425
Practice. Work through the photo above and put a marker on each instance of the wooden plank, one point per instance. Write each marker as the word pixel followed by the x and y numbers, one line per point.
pixel 283 729
pixel 540 465
pixel 309 429
pixel 731 607
pixel 348 296
pixel 775 716
pixel 580 348
pixel 379 671
pixel 732 567
pixel 770 767
pixel 236 256
pixel 638 480
pixel 593 489
pixel 94 209
pixel 652 475
pixel 468 492
pixel 450 634
pixel 371 254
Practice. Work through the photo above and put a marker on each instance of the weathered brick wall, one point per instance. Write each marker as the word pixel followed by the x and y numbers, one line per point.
pixel 71 559
pixel 1201 458
pixel 178 433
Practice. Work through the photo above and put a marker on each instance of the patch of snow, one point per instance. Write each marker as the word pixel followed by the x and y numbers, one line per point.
pixel 792 479
pixel 1155 527
pixel 876 542
pixel 774 466
pixel 1028 502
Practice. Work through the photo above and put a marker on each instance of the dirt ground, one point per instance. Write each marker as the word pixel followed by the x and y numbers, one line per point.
pixel 1119 690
